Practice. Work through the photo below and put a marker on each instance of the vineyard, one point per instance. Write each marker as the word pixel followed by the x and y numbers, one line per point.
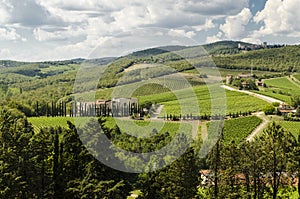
pixel 283 59
pixel 144 128
pixel 42 122
pixel 283 84
pixel 237 129
pixel 274 94
pixel 235 102
pixel 281 88
pixel 293 127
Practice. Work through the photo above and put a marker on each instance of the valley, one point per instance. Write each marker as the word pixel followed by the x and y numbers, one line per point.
pixel 159 107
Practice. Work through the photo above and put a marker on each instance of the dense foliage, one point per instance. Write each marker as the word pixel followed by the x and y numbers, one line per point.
pixel 279 59
pixel 53 162
pixel 264 168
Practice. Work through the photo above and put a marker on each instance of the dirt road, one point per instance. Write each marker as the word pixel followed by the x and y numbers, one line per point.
pixel 261 127
pixel 263 97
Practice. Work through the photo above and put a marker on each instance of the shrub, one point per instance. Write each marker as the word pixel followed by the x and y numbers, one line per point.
pixel 269 110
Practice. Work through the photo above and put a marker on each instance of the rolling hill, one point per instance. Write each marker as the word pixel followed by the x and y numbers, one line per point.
pixel 53 80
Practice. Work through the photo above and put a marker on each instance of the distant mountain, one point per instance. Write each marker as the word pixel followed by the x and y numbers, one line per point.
pixel 221 47
pixel 157 51
pixel 226 54
pixel 101 61
pixel 214 48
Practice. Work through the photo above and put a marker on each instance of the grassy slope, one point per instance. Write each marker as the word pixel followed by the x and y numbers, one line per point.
pixel 297 77
pixel 234 101
pixel 281 88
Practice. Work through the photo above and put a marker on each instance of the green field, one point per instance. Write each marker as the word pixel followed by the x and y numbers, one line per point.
pixel 237 129
pixel 144 128
pixel 233 101
pixel 281 88
pixel 224 72
pixel 42 122
pixel 284 84
pixel 297 76
pixel 293 127
pixel 274 94
pixel 234 129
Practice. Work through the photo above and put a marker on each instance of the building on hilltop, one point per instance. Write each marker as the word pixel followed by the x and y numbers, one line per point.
pixel 251 47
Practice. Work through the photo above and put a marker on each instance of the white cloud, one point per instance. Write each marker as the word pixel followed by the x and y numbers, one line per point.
pixel 234 26
pixel 279 18
pixel 68 28
pixel 214 38
pixel 10 34
pixel 252 40
pixel 26 13
pixel 214 7
pixel 206 26
pixel 181 33
pixel 42 34
pixel 127 14
pixel 5 7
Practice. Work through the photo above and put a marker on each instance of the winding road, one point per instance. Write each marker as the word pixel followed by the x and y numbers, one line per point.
pixel 261 127
pixel 261 115
pixel 263 97
pixel 257 130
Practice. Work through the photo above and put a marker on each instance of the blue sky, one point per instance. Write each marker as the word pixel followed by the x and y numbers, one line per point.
pixel 34 30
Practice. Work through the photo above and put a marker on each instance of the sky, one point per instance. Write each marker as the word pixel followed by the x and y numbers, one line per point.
pixel 39 30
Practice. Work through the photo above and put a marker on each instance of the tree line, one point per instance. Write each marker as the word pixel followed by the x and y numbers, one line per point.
pixel 54 163
pixel 268 167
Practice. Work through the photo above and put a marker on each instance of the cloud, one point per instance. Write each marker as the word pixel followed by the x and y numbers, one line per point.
pixel 127 14
pixel 10 34
pixel 209 24
pixel 50 34
pixel 68 28
pixel 214 38
pixel 181 33
pixel 27 13
pixel 279 18
pixel 214 7
pixel 252 40
pixel 5 7
pixel 234 26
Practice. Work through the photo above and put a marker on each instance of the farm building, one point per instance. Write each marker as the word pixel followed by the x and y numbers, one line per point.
pixel 285 109
pixel 245 84
pixel 118 107
pixel 259 83
pixel 123 106
pixel 229 79
pixel 244 76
